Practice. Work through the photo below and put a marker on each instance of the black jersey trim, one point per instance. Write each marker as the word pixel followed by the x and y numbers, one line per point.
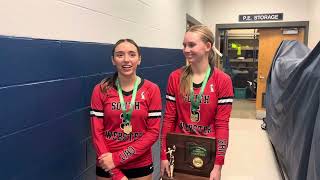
pixel 154 117
pixel 170 94
pixel 150 111
pixel 228 103
pixel 96 110
pixel 154 114
pixel 227 97
pixel 225 100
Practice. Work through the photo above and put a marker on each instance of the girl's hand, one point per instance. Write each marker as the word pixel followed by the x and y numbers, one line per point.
pixel 216 172
pixel 106 161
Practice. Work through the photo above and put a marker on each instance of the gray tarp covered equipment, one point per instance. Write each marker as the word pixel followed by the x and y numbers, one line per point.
pixel 293 112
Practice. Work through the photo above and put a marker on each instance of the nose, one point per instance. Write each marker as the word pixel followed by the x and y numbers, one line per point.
pixel 186 49
pixel 126 58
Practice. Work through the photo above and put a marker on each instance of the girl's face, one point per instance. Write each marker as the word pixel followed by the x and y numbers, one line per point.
pixel 194 49
pixel 126 59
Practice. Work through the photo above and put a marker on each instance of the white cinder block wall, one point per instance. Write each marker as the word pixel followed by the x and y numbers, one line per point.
pixel 152 23
pixel 228 11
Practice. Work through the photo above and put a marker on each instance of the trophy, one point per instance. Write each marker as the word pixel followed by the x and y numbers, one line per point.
pixel 190 156
pixel 171 160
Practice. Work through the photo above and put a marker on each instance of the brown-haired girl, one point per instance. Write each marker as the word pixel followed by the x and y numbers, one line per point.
pixel 125 118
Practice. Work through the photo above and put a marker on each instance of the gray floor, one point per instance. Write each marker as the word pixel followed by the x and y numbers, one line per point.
pixel 249 155
pixel 244 108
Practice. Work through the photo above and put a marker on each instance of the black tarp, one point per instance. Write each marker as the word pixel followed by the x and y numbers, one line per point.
pixel 293 112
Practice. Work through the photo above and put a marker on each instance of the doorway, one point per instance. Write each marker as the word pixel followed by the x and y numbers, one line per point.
pixel 248 50
pixel 270 40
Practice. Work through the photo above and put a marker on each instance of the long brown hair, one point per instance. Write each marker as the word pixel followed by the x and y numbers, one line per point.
pixel 109 82
pixel 206 35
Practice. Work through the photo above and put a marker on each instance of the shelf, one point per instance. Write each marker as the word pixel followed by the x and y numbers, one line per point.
pixel 244 48
pixel 249 60
pixel 236 67
pixel 242 37
pixel 242 60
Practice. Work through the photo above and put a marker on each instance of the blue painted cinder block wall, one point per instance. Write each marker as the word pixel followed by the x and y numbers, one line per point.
pixel 45 90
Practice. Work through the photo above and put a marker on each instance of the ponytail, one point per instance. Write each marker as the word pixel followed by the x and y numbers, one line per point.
pixel 108 83
pixel 211 57
pixel 185 80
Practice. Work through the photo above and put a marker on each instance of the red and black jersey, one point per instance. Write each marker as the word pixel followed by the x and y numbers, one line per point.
pixel 128 150
pixel 213 112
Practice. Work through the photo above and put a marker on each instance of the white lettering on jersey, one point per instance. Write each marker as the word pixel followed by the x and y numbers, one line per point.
pixel 211 88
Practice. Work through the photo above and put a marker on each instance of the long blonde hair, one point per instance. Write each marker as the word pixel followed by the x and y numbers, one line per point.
pixel 206 36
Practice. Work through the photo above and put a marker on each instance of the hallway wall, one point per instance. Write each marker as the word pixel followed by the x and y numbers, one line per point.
pixel 52 54
pixel 228 11
pixel 314 36
pixel 152 23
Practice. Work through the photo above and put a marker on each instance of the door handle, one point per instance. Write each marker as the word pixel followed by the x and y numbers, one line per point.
pixel 261 77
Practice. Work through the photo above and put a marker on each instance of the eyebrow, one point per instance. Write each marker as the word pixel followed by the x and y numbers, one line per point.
pixel 185 43
pixel 124 52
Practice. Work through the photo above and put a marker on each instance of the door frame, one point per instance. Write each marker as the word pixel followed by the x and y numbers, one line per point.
pixel 268 25
pixel 287 24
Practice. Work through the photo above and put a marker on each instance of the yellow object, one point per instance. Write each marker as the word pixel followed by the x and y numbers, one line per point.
pixel 197 162
pixel 238 47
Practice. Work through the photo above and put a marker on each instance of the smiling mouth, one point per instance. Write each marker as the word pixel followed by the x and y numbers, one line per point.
pixel 126 67
pixel 188 55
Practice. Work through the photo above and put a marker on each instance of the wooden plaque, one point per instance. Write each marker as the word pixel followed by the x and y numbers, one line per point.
pixel 194 155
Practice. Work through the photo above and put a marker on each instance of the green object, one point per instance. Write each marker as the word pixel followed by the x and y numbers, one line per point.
pixel 238 47
pixel 195 103
pixel 127 114
pixel 240 93
pixel 197 150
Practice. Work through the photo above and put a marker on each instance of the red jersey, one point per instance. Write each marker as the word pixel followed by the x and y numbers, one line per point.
pixel 213 112
pixel 131 150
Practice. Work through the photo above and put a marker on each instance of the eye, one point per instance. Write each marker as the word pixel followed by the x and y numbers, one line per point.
pixel 132 54
pixel 191 45
pixel 119 55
